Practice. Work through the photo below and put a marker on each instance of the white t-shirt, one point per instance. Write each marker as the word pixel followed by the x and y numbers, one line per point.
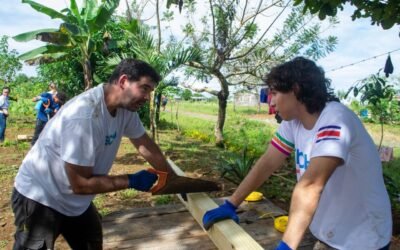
pixel 82 133
pixel 4 104
pixel 354 209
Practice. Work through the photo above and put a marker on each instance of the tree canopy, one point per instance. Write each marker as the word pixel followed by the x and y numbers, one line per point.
pixel 9 61
pixel 383 13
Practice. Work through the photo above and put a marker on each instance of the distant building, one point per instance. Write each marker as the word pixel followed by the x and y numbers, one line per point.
pixel 246 99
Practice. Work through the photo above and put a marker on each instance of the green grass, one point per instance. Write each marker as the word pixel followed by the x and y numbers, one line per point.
pixel 163 199
pixel 211 108
pixel 8 172
pixel 127 194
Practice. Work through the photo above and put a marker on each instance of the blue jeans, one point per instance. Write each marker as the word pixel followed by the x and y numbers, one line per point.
pixel 3 123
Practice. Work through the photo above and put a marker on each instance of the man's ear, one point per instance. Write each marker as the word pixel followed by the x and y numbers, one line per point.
pixel 122 80
pixel 296 89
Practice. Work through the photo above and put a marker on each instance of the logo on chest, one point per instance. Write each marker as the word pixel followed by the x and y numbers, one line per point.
pixel 110 138
pixel 302 159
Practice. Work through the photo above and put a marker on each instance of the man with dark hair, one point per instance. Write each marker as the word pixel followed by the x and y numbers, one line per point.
pixel 70 161
pixel 340 194
pixel 4 104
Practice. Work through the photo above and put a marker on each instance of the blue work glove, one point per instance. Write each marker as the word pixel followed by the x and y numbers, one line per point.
pixel 142 180
pixel 223 212
pixel 48 111
pixel 282 246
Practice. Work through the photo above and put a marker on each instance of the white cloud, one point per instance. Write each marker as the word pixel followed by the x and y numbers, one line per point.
pixel 358 41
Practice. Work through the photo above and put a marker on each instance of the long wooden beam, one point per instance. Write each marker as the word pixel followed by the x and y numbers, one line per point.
pixel 225 234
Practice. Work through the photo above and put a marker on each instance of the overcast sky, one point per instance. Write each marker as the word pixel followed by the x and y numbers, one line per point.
pixel 358 40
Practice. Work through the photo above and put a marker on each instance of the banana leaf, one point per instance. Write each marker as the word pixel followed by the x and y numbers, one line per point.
pixel 31 35
pixel 47 58
pixel 46 10
pixel 54 38
pixel 75 11
pixel 47 49
pixel 103 14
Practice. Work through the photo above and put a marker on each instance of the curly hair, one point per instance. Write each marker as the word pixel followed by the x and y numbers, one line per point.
pixel 306 79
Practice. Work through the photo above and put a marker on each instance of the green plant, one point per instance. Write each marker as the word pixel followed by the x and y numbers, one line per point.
pixel 236 167
pixel 377 93
pixel 3 244
pixel 76 32
pixel 163 199
pixel 99 203
pixel 127 194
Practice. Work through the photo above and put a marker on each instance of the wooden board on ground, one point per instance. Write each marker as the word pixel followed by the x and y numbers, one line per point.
pixel 24 137
pixel 173 227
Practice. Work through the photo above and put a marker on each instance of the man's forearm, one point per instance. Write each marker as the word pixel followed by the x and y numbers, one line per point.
pixel 101 184
pixel 303 205
pixel 152 153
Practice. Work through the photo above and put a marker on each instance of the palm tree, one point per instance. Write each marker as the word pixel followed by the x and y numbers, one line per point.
pixel 77 31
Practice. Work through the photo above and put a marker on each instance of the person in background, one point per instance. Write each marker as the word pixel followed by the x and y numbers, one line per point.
pixel 340 194
pixel 50 104
pixel 70 162
pixel 52 88
pixel 4 104
pixel 164 101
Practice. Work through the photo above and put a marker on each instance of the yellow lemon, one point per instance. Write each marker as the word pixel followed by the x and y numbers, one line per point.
pixel 280 223
pixel 254 196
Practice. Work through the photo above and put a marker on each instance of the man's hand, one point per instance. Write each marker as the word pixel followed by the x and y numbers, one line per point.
pixel 48 111
pixel 142 180
pixel 223 212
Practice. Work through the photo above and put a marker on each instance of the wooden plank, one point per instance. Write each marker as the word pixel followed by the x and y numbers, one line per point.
pixel 225 234
pixel 24 137
pixel 164 227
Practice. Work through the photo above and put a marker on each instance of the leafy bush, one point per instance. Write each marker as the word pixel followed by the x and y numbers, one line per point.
pixel 236 167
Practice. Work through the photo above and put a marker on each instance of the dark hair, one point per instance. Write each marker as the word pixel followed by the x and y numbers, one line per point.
pixel 306 79
pixel 62 97
pixel 134 69
pixel 6 87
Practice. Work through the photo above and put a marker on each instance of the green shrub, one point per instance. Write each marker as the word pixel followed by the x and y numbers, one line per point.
pixel 235 167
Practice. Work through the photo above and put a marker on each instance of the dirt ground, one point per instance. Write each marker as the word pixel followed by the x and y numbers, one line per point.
pixel 195 158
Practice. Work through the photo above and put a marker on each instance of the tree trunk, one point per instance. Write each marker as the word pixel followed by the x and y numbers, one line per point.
pixel 219 126
pixel 153 123
pixel 87 74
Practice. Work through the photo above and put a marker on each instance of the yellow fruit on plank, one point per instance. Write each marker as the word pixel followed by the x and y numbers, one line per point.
pixel 254 196
pixel 280 223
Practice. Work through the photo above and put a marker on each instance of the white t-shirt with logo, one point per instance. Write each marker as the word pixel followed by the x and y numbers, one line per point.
pixel 82 133
pixel 354 209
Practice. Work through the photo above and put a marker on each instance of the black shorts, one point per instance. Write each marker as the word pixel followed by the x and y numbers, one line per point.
pixel 38 226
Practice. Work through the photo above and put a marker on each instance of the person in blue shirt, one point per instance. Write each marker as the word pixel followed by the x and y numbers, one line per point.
pixel 4 104
pixel 49 105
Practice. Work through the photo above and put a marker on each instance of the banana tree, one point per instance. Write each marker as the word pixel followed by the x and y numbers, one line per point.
pixel 77 31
